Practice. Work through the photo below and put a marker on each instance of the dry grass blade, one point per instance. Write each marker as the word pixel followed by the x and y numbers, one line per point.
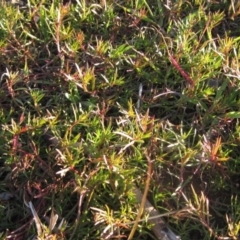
pixel 38 223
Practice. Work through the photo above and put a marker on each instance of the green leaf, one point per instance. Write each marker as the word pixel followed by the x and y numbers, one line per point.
pixel 233 115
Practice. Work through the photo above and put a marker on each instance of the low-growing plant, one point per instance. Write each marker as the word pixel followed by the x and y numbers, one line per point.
pixel 113 110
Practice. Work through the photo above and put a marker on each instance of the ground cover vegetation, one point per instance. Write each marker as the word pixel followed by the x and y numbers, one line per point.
pixel 98 98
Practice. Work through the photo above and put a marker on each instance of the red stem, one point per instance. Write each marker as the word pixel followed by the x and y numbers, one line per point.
pixel 180 70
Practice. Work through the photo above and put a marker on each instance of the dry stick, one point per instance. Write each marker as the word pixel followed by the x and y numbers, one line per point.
pixel 175 63
pixel 159 228
pixel 149 172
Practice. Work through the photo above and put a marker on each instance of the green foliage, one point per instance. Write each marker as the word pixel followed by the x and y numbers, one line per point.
pixel 95 94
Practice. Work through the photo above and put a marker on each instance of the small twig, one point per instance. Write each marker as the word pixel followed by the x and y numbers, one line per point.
pixel 141 209
pixel 159 228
